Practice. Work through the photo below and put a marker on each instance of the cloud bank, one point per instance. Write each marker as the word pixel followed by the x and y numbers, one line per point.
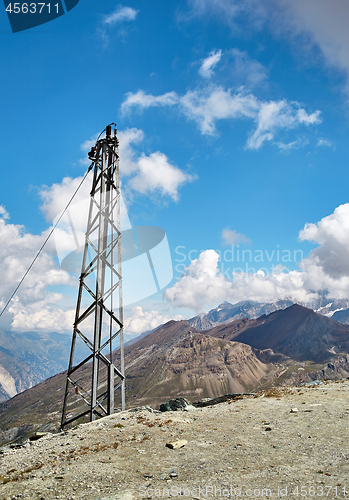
pixel 207 106
pixel 35 304
pixel 141 321
pixel 325 271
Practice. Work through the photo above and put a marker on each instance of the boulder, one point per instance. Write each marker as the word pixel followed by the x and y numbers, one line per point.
pixel 175 404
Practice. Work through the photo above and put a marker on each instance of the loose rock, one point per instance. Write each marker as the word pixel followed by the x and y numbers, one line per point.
pixel 176 444
pixel 175 404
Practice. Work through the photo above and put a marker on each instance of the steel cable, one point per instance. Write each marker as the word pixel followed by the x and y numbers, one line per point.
pixel 46 240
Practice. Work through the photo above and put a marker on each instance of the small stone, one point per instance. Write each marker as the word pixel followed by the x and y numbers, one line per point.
pixel 173 474
pixel 312 382
pixel 174 445
pixel 147 475
pixel 38 435
pixel 267 429
pixel 294 410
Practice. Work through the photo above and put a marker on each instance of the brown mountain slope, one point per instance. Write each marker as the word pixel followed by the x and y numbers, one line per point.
pixel 176 360
pixel 297 332
pixel 193 365
pixel 173 360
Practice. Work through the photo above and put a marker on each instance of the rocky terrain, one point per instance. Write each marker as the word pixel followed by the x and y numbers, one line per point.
pixel 288 442
pixel 287 347
pixel 171 360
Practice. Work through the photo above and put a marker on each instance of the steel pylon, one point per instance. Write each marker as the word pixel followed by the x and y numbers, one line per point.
pixel 92 382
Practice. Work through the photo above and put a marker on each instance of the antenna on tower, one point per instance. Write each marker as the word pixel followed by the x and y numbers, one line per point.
pixel 99 308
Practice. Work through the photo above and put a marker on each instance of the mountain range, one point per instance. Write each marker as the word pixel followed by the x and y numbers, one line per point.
pixel 297 332
pixel 227 312
pixel 30 357
pixel 288 346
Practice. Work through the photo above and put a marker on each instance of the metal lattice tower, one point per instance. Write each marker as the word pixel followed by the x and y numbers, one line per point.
pixel 91 384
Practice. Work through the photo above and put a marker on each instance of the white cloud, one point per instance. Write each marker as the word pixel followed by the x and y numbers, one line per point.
pixel 246 69
pixel 120 14
pixel 202 284
pixel 69 235
pixel 41 316
pixel 275 115
pixel 243 70
pixel 332 234
pixel 141 321
pixel 298 143
pixel 207 106
pixel 148 174
pixel 324 142
pixel 143 101
pixel 56 197
pixel 203 106
pixel 156 174
pixel 206 68
pixel 3 213
pixel 141 173
pixel 128 156
pixel 232 237
pixel 261 286
pixel 17 251
pixel 325 271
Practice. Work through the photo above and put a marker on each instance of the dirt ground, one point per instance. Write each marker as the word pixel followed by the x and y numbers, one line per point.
pixel 290 443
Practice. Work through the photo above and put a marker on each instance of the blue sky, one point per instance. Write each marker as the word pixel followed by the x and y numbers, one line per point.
pixel 234 122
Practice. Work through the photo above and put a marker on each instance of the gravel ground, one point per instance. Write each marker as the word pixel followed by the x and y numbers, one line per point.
pixel 249 448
